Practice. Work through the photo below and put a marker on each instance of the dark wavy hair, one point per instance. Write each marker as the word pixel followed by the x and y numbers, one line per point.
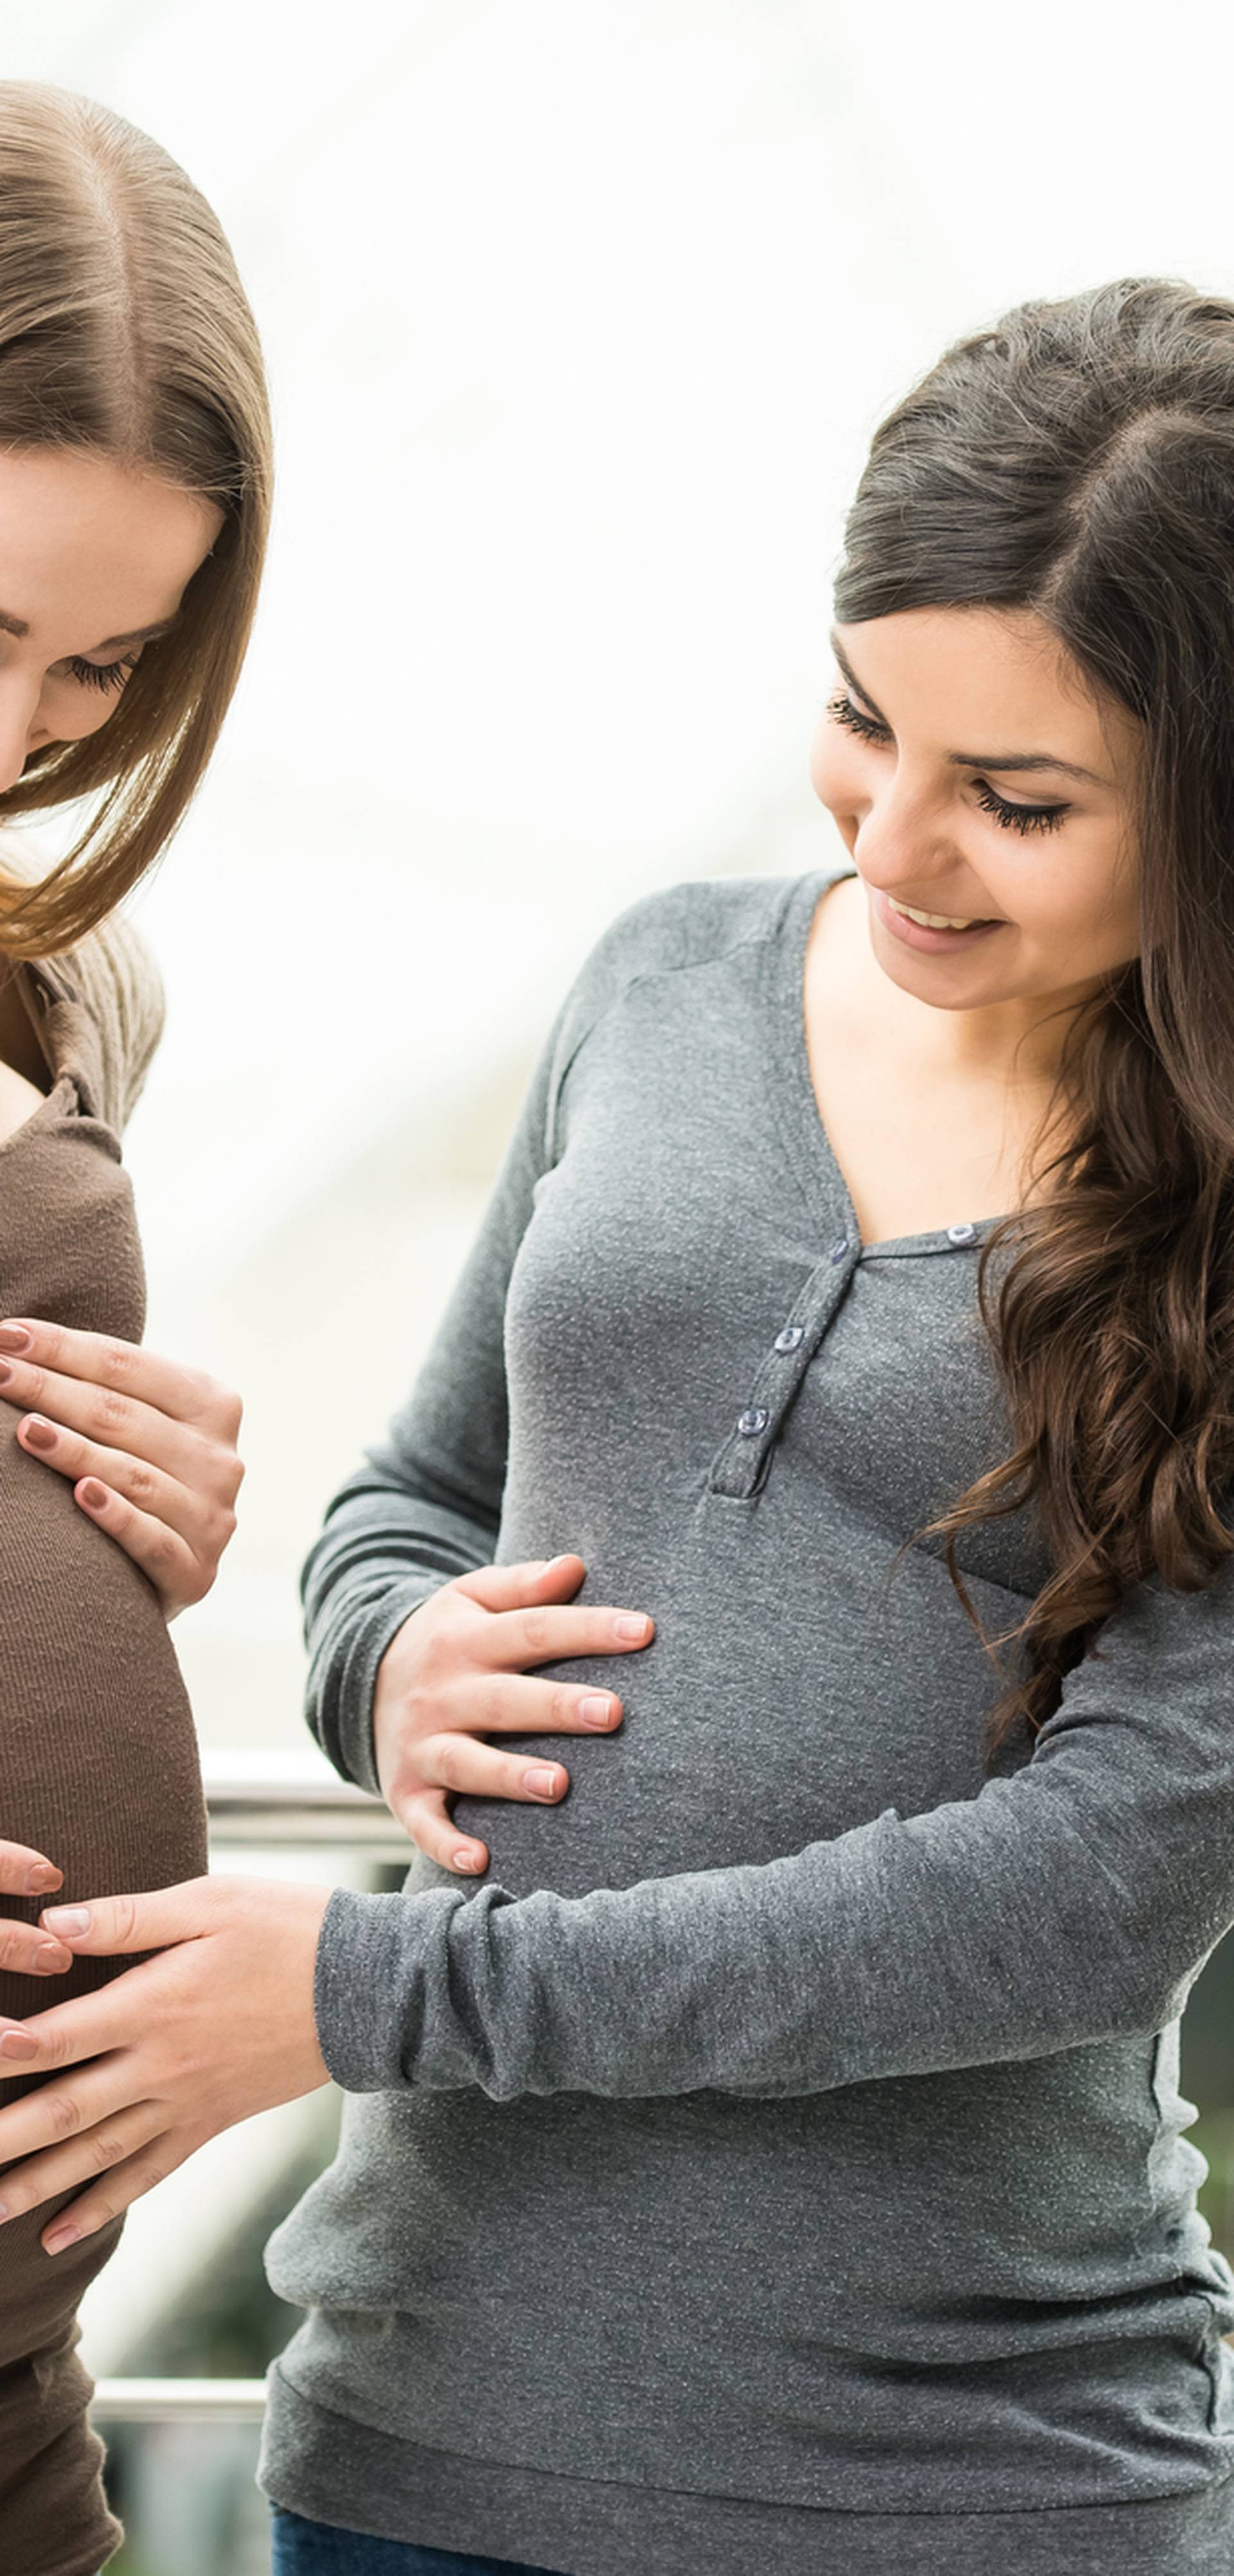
pixel 1077 460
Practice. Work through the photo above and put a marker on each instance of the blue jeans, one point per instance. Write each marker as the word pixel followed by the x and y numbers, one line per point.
pixel 319 2549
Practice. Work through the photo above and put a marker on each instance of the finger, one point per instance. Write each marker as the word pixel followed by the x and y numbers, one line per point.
pixel 108 1925
pixel 26 1872
pixel 521 1639
pixel 87 2026
pixel 507 1587
pixel 103 1359
pixel 204 1524
pixel 506 1704
pixel 174 1567
pixel 125 2183
pixel 83 2158
pixel 466 1769
pixel 102 2090
pixel 114 1421
pixel 426 1818
pixel 28 1950
pixel 548 1634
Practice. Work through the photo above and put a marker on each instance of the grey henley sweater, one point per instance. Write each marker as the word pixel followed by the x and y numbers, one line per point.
pixel 778 2156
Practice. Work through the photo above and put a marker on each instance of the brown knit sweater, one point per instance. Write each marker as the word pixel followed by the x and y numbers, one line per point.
pixel 98 1759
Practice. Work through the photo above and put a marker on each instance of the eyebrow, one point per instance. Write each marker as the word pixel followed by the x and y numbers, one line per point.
pixel 1017 760
pixel 140 635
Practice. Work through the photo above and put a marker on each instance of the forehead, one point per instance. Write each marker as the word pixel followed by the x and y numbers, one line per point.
pixel 85 540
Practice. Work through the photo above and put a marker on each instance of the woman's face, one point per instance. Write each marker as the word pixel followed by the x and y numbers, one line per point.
pixel 942 755
pixel 94 559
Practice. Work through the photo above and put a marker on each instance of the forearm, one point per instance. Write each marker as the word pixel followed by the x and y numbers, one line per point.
pixel 1068 1904
pixel 844 1962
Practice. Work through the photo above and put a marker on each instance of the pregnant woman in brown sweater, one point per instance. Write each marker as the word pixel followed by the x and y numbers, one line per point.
pixel 133 507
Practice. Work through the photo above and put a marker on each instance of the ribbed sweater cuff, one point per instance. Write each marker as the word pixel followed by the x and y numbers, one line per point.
pixel 378 1960
pixel 345 1730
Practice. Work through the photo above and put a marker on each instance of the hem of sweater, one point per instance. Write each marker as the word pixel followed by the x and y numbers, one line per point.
pixel 87 2558
pixel 333 2469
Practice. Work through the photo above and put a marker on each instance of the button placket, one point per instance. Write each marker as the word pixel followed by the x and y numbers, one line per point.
pixel 740 1465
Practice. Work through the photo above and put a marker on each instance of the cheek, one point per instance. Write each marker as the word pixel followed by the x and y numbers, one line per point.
pixel 1110 924
pixel 69 714
pixel 1063 901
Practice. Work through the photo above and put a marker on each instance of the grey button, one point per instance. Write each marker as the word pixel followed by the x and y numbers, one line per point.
pixel 753 1420
pixel 789 1338
pixel 839 1249
pixel 961 1233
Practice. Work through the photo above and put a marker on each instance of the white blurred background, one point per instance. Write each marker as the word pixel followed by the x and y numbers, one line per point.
pixel 579 319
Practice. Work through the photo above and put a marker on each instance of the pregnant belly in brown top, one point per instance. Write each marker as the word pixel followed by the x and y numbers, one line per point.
pixel 98 1757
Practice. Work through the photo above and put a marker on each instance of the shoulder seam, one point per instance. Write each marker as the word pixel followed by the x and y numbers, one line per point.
pixel 645 975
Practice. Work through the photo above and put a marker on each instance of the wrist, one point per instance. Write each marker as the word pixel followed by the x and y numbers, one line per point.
pixel 343 1701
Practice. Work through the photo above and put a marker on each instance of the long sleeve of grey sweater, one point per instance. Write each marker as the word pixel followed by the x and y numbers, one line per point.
pixel 788 1876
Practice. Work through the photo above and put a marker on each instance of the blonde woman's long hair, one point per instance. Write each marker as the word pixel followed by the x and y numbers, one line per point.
pixel 125 331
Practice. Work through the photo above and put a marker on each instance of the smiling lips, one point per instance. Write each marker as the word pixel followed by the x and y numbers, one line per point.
pixel 938 920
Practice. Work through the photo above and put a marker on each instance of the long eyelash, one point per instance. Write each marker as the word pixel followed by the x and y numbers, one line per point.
pixel 102 675
pixel 1020 818
pixel 1016 818
pixel 846 713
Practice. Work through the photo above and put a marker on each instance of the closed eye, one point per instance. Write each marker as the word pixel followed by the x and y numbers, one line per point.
pixel 1014 818
pixel 102 675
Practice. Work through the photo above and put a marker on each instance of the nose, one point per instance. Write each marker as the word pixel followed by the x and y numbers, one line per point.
pixel 19 705
pixel 900 844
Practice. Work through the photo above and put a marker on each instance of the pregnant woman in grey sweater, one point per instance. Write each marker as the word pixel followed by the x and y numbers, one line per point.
pixel 773 2154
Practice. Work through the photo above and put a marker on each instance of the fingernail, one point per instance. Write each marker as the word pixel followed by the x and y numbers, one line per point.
pixel 43 1877
pixel 51 1959
pixel 70 1921
pixel 18 2043
pixel 466 1860
pixel 542 1784
pixel 14 1337
pixel 595 1711
pixel 555 1561
pixel 60 2237
pixel 39 1433
pixel 630 1626
pixel 92 1493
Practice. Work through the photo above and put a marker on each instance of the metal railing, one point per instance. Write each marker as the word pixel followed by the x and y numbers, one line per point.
pixel 292 1801
pixel 179 2401
pixel 278 1803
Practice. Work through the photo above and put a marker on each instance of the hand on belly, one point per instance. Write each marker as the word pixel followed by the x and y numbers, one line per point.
pixel 148 1446
pixel 218 2024
pixel 457 1670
